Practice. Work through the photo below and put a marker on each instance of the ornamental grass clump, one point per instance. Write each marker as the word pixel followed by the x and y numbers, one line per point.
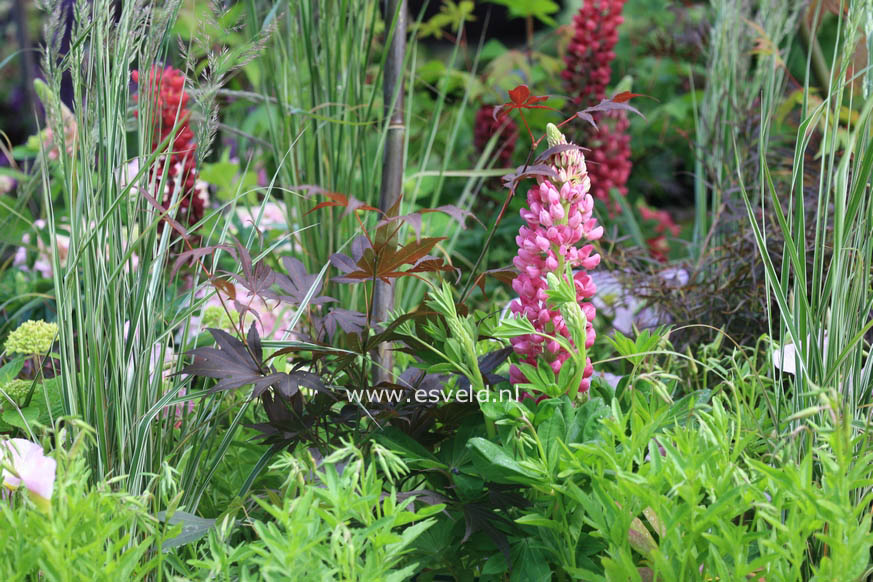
pixel 558 216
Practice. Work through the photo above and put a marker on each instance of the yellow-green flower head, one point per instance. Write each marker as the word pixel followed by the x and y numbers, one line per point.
pixel 32 338
pixel 217 318
pixel 16 390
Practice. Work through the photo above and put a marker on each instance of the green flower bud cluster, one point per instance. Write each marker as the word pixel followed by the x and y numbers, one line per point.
pixel 216 317
pixel 16 390
pixel 32 338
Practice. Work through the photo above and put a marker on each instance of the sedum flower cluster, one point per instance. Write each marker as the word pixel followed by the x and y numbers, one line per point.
pixel 216 317
pixel 558 217
pixel 170 114
pixel 32 338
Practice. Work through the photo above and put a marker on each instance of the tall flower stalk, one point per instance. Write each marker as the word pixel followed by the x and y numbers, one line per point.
pixel 487 126
pixel 172 118
pixel 557 218
pixel 586 76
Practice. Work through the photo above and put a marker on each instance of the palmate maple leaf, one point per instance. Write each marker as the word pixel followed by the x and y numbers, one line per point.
pixel 521 99
pixel 236 364
pixel 617 103
pixel 384 261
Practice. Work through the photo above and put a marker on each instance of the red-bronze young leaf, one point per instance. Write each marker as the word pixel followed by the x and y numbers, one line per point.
pixel 459 214
pixel 225 287
pixel 625 96
pixel 510 181
pixel 350 203
pixel 504 275
pixel 521 99
pixel 605 106
pixel 385 263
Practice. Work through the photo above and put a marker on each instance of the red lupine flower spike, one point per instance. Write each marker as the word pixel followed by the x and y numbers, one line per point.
pixel 170 113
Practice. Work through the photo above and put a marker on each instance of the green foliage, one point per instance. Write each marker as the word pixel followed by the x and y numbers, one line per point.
pixel 540 9
pixel 334 523
pixel 450 17
pixel 90 532
pixel 711 506
pixel 719 462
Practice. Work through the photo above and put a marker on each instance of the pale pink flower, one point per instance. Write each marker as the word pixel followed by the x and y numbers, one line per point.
pixel 24 463
pixel 266 314
pixel 43 262
pixel 274 216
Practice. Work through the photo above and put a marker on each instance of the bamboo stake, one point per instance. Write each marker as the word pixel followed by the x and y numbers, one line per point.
pixel 392 164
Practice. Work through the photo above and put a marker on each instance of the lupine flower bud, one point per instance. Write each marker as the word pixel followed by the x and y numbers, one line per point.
pixel 547 243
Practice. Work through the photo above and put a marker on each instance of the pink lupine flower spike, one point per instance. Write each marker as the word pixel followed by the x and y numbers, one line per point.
pixel 558 217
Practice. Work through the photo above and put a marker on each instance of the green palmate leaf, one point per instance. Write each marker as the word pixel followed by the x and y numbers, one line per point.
pixel 514 326
pixel 413 452
pixel 10 370
pixel 538 520
pixel 495 464
pixel 585 424
pixel 21 417
pixel 529 563
pixel 539 9
pixel 193 528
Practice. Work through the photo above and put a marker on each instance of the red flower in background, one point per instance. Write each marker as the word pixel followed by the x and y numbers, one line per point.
pixel 170 113
pixel 590 53
pixel 609 163
pixel 663 218
pixel 586 77
pixel 659 248
pixel 486 126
